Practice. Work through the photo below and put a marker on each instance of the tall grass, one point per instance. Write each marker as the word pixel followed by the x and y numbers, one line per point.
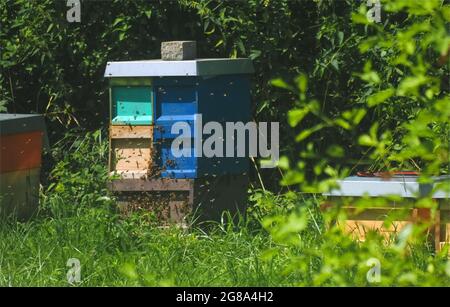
pixel 281 242
pixel 78 219
pixel 115 252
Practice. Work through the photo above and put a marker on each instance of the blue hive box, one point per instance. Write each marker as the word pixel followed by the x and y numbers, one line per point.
pixel 160 93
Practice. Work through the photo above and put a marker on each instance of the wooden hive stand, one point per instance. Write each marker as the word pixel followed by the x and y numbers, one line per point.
pixel 174 200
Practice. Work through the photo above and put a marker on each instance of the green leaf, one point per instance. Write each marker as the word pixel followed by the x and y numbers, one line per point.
pixel 280 83
pixel 358 116
pixel 446 12
pixel 335 64
pixel 3 106
pixel 335 151
pixel 241 46
pixel 50 27
pixel 254 54
pixel 306 133
pixel 117 21
pixel 380 97
pixel 129 270
pixel 410 85
pixel 233 53
pixel 447 268
pixel 268 254
pixel 211 31
pixel 366 140
pixel 296 116
pixel 341 37
pixel 344 124
pixel 360 19
pixel 302 83
pixel 371 77
pixel 283 163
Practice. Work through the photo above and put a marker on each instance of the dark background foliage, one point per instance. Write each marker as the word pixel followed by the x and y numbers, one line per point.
pixel 55 67
pixel 348 93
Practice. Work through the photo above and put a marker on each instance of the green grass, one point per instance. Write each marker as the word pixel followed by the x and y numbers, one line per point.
pixel 282 241
pixel 78 220
pixel 116 252
pixel 134 251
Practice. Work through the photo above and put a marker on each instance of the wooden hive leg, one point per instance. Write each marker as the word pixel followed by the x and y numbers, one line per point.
pixel 437 230
pixel 434 231
pixel 181 204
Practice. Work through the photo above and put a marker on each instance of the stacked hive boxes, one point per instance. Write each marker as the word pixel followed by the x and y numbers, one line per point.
pixel 22 137
pixel 147 98
pixel 131 128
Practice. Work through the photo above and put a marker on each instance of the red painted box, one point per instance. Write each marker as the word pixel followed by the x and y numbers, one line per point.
pixel 22 139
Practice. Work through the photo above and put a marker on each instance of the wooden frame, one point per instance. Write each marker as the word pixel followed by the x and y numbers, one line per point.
pixel 163 184
pixel 130 149
pixel 358 224
pixel 131 132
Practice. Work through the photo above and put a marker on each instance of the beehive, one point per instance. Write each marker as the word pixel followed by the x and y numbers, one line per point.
pixel 147 98
pixel 372 218
pixel 22 138
pixel 160 93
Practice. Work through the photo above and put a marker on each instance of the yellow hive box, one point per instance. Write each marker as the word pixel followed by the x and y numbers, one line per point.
pixel 130 150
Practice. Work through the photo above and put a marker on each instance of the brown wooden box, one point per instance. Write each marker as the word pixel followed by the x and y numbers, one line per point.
pixel 372 219
pixel 130 150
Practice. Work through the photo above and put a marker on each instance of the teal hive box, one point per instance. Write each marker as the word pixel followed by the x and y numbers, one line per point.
pixel 132 105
